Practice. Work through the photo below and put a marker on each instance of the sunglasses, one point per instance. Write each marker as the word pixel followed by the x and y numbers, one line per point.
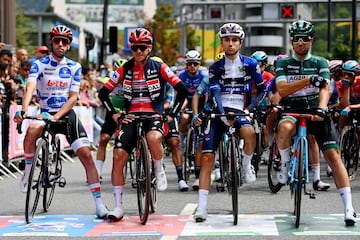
pixel 193 64
pixel 137 47
pixel 303 38
pixel 44 52
pixel 348 74
pixel 63 40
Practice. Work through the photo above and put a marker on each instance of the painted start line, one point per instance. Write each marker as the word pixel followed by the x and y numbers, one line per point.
pixel 177 225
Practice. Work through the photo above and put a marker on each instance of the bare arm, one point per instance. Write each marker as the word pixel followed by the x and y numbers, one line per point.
pixel 285 89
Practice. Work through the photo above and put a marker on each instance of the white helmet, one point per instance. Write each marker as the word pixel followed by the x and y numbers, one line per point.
pixel 193 56
pixel 231 29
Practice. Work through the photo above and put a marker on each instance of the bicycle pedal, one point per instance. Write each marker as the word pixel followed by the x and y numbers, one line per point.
pixel 62 182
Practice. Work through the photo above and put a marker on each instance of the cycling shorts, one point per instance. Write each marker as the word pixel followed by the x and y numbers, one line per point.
pixel 109 126
pixel 173 129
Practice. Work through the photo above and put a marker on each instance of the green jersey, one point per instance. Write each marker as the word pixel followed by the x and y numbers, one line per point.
pixel 292 69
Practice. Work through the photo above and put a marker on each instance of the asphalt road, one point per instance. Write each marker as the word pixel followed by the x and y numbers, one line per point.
pixel 263 215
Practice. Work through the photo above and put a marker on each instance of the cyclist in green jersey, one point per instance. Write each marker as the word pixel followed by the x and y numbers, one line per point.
pixel 109 126
pixel 304 80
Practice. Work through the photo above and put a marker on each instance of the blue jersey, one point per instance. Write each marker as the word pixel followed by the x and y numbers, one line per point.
pixel 192 83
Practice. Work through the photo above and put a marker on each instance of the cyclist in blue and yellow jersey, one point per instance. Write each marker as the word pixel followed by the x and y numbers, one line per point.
pixel 231 80
pixel 143 81
pixel 56 80
pixel 192 77
pixel 109 126
pixel 304 79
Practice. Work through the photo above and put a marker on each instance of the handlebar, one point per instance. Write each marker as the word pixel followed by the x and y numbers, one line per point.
pixel 47 121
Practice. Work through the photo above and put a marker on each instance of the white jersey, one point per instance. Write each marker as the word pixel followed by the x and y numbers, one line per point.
pixel 54 81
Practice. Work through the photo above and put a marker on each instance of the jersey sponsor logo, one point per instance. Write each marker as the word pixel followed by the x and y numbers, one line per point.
pixel 60 84
pixel 127 85
pixel 64 72
pixel 168 72
pixel 34 68
pixel 56 102
pixel 154 84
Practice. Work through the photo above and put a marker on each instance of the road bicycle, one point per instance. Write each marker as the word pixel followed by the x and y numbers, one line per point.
pixel 258 124
pixel 192 145
pixel 46 169
pixel 349 144
pixel 230 161
pixel 273 167
pixel 145 178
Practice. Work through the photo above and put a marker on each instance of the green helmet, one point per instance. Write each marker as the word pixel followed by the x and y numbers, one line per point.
pixel 119 63
pixel 302 27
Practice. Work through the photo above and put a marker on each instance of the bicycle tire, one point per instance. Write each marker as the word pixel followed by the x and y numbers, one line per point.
pixel 234 178
pixel 132 165
pixel 221 163
pixel 299 183
pixel 53 177
pixel 258 149
pixel 35 181
pixel 153 189
pixel 143 180
pixel 273 167
pixel 188 160
pixel 349 150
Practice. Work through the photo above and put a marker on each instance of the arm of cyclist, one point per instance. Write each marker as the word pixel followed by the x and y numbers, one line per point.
pixel 19 115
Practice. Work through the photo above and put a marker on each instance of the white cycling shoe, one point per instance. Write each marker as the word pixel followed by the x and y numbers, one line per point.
pixel 116 214
pixel 161 181
pixel 200 215
pixel 102 211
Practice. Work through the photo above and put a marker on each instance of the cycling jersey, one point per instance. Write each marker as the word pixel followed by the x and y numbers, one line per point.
pixel 292 69
pixel 54 81
pixel 354 90
pixel 231 82
pixel 193 82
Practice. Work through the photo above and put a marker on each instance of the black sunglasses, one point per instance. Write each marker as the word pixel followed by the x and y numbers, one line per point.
pixel 44 52
pixel 304 38
pixel 193 63
pixel 63 40
pixel 136 47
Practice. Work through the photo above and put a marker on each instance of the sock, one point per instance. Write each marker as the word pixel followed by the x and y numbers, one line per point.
pixel 285 155
pixel 118 192
pixel 246 160
pixel 203 195
pixel 197 171
pixel 346 197
pixel 158 165
pixel 99 165
pixel 316 171
pixel 28 162
pixel 179 172
pixel 96 191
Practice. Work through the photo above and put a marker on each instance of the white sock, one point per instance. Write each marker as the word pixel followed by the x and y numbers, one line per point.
pixel 316 171
pixel 99 165
pixel 246 160
pixel 285 155
pixel 203 196
pixel 158 165
pixel 118 192
pixel 346 197
pixel 96 192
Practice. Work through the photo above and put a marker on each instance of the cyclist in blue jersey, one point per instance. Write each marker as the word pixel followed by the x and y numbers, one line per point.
pixel 304 80
pixel 231 80
pixel 56 80
pixel 191 77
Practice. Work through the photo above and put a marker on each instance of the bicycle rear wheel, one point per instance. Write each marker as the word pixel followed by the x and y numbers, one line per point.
pixel 299 182
pixel 273 168
pixel 189 156
pixel 143 180
pixel 349 148
pixel 35 180
pixel 234 177
pixel 52 176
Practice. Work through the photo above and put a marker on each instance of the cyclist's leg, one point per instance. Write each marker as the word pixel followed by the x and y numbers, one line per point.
pixel 247 133
pixel 33 132
pixel 183 128
pixel 314 162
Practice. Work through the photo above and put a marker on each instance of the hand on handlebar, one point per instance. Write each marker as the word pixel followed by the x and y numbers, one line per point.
pixel 19 116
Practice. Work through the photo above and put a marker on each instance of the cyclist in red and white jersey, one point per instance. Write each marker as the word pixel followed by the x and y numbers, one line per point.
pixel 143 81
pixel 56 80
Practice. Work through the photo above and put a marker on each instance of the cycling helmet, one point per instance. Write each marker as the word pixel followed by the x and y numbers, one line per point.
pixel 351 66
pixel 118 63
pixel 231 29
pixel 302 27
pixel 193 56
pixel 260 56
pixel 335 65
pixel 219 56
pixel 141 36
pixel 61 31
pixel 156 58
pixel 279 57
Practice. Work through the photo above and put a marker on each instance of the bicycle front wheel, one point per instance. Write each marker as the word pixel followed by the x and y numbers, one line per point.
pixel 153 189
pixel 299 182
pixel 234 158
pixel 273 168
pixel 349 149
pixel 188 160
pixel 52 176
pixel 143 180
pixel 36 180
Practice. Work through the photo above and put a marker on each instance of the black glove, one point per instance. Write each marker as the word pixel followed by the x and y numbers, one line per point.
pixel 321 112
pixel 317 81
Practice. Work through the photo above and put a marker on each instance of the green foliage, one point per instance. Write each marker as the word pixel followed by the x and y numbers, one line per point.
pixel 23 31
pixel 340 50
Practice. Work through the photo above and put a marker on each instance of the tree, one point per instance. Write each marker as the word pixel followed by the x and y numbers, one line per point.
pixel 23 31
